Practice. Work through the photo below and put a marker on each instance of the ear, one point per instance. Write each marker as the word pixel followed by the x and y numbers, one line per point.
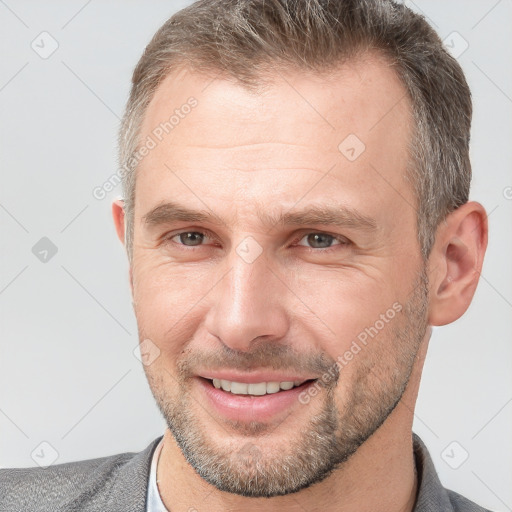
pixel 456 261
pixel 118 215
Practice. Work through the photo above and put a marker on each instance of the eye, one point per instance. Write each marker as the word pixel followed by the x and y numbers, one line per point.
pixel 188 238
pixel 322 240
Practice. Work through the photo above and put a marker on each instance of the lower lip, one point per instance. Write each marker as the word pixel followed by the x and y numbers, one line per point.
pixel 248 408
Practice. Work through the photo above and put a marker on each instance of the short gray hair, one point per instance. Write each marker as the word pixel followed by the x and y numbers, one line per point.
pixel 245 39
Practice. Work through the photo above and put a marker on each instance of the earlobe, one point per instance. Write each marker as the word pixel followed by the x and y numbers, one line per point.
pixel 456 260
pixel 118 216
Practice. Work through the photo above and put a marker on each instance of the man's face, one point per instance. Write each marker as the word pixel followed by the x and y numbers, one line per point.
pixel 334 294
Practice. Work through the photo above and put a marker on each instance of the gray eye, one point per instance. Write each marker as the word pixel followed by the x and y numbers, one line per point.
pixel 320 240
pixel 191 238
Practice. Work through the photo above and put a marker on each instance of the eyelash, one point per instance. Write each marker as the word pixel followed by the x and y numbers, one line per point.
pixel 342 240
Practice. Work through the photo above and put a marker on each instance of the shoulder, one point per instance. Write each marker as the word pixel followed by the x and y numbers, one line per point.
pixel 462 504
pixel 28 488
pixel 432 495
pixel 82 485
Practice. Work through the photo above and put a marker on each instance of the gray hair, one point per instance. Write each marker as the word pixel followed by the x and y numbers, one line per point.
pixel 246 39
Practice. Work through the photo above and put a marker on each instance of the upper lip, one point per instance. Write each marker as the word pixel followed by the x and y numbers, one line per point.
pixel 252 378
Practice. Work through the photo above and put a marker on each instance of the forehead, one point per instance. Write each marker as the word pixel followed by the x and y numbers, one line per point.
pixel 352 127
pixel 356 96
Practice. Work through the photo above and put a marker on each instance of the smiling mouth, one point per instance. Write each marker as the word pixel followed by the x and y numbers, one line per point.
pixel 257 388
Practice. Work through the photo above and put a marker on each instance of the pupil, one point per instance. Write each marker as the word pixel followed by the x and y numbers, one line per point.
pixel 319 240
pixel 192 237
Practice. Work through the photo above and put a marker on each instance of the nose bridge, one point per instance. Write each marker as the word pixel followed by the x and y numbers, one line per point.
pixel 246 290
pixel 247 304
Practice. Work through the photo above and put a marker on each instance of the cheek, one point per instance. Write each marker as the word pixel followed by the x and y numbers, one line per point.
pixel 168 302
pixel 335 306
pixel 350 313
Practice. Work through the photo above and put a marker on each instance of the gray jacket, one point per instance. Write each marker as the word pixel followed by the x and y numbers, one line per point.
pixel 119 484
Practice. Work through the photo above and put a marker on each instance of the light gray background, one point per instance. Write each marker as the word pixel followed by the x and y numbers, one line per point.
pixel 68 376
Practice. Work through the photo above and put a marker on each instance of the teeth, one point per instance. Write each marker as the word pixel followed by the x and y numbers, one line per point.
pixel 272 387
pixel 255 389
pixel 225 385
pixel 239 388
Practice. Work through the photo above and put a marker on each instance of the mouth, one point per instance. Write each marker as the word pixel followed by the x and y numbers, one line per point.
pixel 260 402
pixel 256 388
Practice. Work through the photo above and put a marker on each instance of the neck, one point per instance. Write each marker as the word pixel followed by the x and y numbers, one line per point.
pixel 376 478
pixel 381 475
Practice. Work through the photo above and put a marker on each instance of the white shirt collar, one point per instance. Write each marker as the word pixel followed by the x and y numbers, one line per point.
pixel 154 502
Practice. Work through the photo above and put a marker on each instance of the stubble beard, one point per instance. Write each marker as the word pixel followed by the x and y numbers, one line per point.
pixel 248 467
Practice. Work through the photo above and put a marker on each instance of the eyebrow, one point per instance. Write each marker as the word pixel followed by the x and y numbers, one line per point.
pixel 339 216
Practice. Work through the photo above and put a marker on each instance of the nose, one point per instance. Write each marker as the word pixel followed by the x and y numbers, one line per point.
pixel 248 304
